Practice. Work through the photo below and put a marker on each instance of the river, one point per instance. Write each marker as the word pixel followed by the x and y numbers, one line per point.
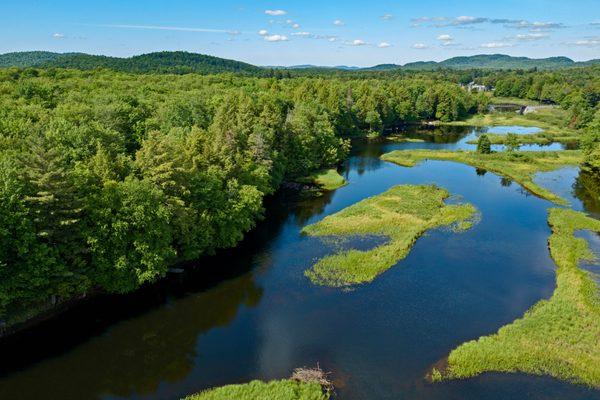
pixel 249 313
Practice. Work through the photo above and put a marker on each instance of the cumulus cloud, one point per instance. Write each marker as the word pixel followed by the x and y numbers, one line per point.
pixel 495 45
pixel 276 38
pixel 302 34
pixel 358 42
pixel 58 35
pixel 384 45
pixel 263 32
pixel 275 13
pixel 419 46
pixel 387 17
pixel 296 26
pixel 339 22
pixel 445 38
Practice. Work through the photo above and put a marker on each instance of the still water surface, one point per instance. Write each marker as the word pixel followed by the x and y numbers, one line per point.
pixel 262 318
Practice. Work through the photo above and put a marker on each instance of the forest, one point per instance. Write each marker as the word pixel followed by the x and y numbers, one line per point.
pixel 108 178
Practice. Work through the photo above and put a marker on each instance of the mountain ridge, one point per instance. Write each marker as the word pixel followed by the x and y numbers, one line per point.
pixel 186 62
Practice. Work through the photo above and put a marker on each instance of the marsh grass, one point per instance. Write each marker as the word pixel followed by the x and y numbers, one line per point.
pixel 328 179
pixel 305 384
pixel 559 337
pixel 402 214
pixel 520 167
pixel 288 389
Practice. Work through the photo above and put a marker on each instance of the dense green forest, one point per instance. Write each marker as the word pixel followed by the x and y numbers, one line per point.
pixel 107 178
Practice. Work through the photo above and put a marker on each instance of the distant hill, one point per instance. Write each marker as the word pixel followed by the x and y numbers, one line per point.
pixel 29 58
pixel 495 61
pixel 166 61
pixel 183 62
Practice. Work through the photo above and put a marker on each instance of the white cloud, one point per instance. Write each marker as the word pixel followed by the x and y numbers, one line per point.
pixel 465 21
pixel 296 26
pixel 530 36
pixel 234 33
pixel 358 42
pixel 589 42
pixel 439 22
pixel 275 13
pixel 419 46
pixel 496 45
pixel 302 34
pixel 387 17
pixel 384 45
pixel 263 32
pixel 339 22
pixel 58 35
pixel 332 39
pixel 445 38
pixel 276 38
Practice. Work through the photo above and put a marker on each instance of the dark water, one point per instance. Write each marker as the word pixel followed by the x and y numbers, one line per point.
pixel 250 313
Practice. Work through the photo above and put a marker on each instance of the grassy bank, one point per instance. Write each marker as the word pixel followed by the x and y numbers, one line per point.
pixel 521 167
pixel 558 337
pixel 328 179
pixel 402 214
pixel 286 389
pixel 304 384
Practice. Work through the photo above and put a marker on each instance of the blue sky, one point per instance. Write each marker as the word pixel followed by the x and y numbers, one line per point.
pixel 291 32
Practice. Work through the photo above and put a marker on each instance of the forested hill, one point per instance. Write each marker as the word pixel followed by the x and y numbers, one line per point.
pixel 166 61
pixel 180 62
pixel 497 61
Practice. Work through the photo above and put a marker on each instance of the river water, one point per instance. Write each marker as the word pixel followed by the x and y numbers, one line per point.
pixel 249 313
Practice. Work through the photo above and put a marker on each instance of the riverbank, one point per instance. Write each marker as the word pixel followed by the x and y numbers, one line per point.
pixel 556 337
pixel 518 166
pixel 402 214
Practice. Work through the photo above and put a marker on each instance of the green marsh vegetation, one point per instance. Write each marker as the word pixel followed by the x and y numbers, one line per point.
pixel 560 336
pixel 257 390
pixel 519 166
pixel 304 384
pixel 402 214
pixel 327 179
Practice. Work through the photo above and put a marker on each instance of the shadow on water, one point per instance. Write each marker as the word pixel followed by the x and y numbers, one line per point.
pixel 249 312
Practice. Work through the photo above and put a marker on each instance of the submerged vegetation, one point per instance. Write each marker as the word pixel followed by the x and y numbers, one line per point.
pixel 558 337
pixel 521 167
pixel 402 214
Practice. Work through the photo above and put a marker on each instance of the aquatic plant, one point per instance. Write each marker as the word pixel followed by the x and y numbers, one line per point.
pixel 559 337
pixel 305 384
pixel 520 166
pixel 402 214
